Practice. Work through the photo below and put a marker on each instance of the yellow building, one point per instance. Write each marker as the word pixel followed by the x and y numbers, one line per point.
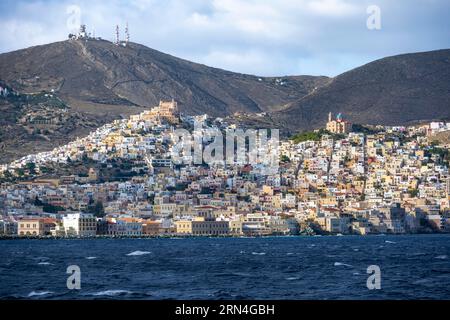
pixel 200 227
pixel 164 209
pixel 236 227
pixel 339 125
pixel 167 110
pixel 30 227
pixel 183 226
pixel 92 175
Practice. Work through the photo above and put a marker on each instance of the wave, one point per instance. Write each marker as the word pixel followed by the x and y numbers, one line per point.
pixel 338 264
pixel 138 253
pixel 111 293
pixel 44 263
pixel 387 241
pixel 442 257
pixel 233 274
pixel 91 258
pixel 293 278
pixel 38 293
pixel 258 253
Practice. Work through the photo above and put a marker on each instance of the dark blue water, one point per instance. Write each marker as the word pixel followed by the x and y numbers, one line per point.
pixel 412 267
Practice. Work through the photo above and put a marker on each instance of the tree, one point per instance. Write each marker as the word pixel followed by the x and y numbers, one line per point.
pixel 99 210
pixel 38 202
pixel 413 193
pixel 31 167
pixel 51 208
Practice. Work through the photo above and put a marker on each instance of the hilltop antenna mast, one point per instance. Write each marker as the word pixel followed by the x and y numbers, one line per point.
pixel 117 35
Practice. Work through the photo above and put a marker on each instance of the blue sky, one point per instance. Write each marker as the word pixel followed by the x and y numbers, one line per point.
pixel 262 37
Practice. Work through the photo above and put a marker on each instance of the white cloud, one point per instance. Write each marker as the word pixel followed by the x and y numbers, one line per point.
pixel 332 7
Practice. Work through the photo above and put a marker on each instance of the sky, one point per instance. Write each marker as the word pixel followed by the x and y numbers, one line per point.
pixel 260 37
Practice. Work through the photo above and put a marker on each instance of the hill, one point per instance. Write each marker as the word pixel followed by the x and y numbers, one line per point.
pixel 98 81
pixel 396 90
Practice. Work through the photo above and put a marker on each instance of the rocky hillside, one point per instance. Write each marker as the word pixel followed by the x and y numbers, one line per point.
pixel 392 91
pixel 98 81
pixel 99 72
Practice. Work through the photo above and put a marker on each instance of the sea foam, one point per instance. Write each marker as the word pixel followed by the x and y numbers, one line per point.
pixel 138 253
pixel 338 264
pixel 111 293
pixel 39 293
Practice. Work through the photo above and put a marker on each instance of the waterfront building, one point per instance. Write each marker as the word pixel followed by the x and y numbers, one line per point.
pixel 183 226
pixel 8 227
pixel 201 227
pixel 80 225
pixel 31 227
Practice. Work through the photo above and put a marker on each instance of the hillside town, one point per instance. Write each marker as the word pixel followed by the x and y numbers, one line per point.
pixel 343 179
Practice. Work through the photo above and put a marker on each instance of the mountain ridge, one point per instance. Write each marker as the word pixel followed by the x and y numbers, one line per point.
pixel 395 90
pixel 100 81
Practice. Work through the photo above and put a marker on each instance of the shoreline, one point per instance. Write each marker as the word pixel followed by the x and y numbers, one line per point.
pixel 5 238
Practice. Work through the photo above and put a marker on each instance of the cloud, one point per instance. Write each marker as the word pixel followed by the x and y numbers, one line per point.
pixel 264 37
pixel 332 7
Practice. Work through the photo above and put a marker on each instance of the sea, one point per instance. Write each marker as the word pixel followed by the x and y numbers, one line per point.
pixel 274 268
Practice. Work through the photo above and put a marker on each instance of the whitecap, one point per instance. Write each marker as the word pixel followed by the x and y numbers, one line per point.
pixel 138 253
pixel 258 253
pixel 91 258
pixel 442 257
pixel 241 274
pixel 422 281
pixel 387 241
pixel 111 293
pixel 44 263
pixel 292 278
pixel 356 273
pixel 355 249
pixel 39 293
pixel 338 264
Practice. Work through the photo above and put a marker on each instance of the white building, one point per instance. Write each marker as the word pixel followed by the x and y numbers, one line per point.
pixel 79 224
